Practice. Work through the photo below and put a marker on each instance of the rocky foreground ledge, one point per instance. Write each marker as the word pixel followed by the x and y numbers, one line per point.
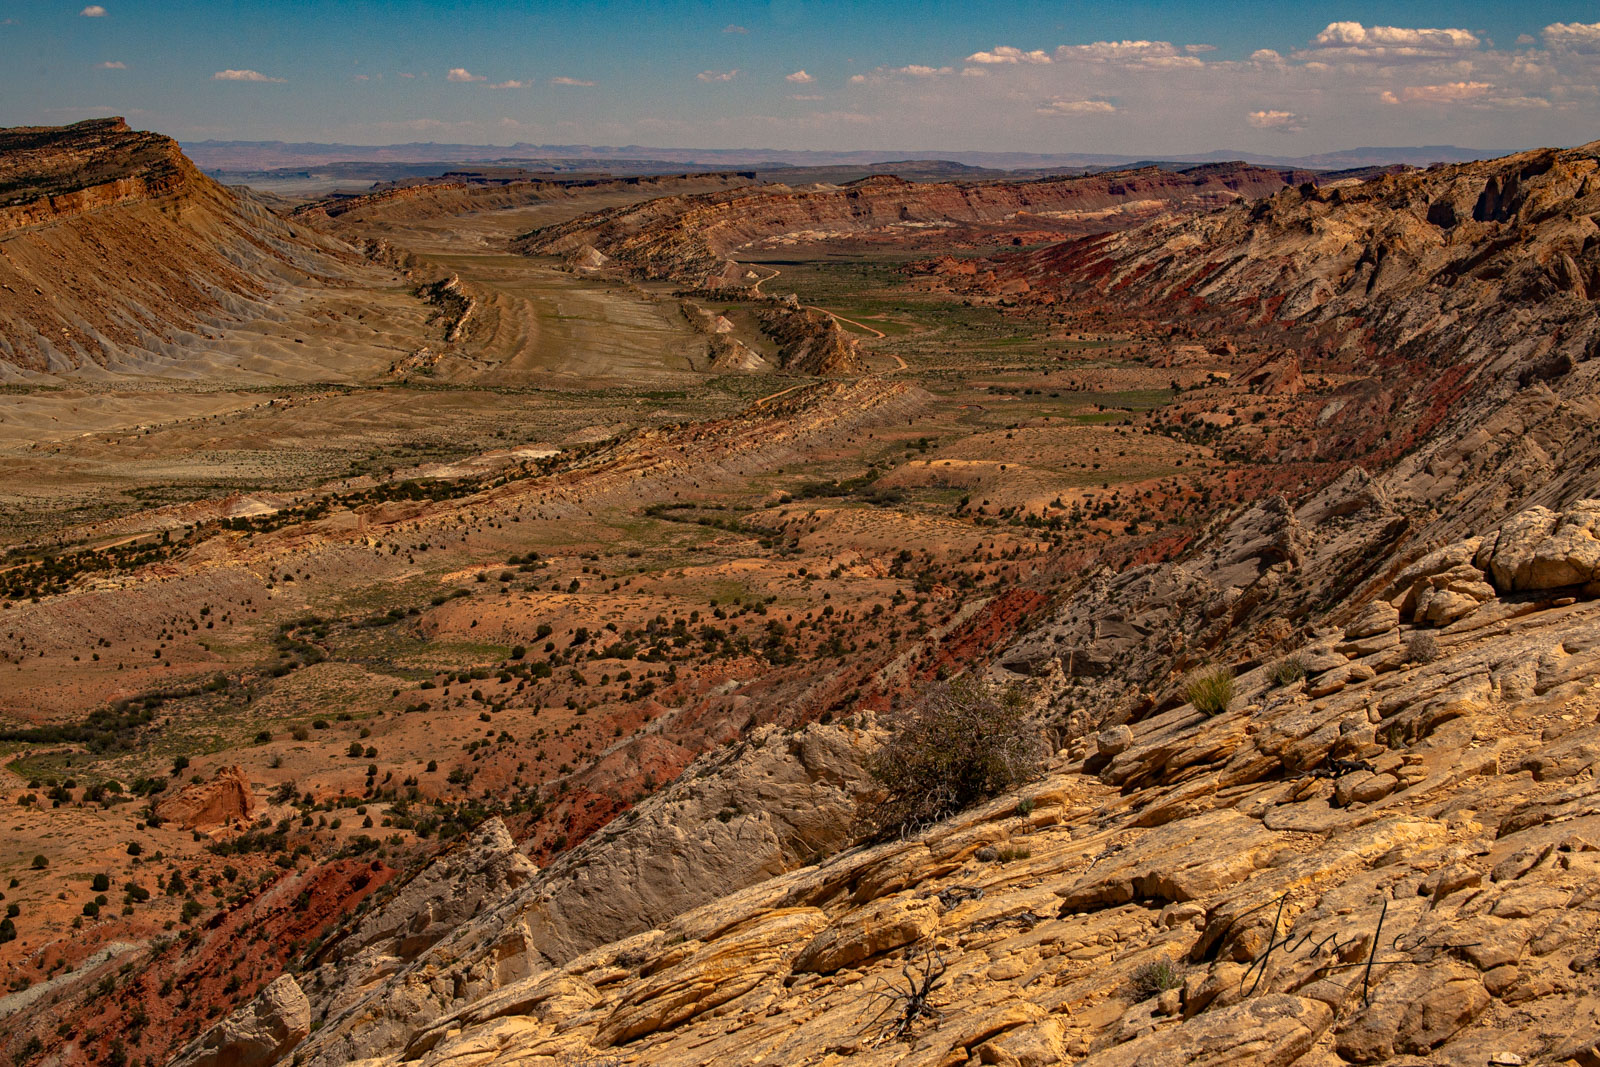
pixel 1393 859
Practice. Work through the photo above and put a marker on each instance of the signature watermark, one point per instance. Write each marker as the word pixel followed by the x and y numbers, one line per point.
pixel 1399 950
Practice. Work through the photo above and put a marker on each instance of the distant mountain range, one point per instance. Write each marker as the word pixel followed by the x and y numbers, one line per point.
pixel 265 155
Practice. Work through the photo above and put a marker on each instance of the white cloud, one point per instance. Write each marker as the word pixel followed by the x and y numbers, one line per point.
pixel 1478 96
pixel 1197 49
pixel 1573 36
pixel 1447 93
pixel 799 77
pixel 111 64
pixel 407 74
pixel 509 83
pixel 806 96
pixel 1154 55
pixel 1286 121
pixel 717 75
pixel 917 70
pixel 569 81
pixel 1514 103
pixel 1076 107
pixel 734 28
pixel 1266 56
pixel 243 76
pixel 93 11
pixel 462 74
pixel 858 79
pixel 1008 54
pixel 1352 40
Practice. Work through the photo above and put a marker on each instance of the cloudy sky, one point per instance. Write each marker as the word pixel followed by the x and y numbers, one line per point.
pixel 1141 77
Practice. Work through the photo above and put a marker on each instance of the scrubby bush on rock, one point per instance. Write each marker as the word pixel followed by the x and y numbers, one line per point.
pixel 962 743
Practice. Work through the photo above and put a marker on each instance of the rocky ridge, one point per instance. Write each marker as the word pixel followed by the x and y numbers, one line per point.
pixel 1451 313
pixel 811 341
pixel 459 196
pixel 691 238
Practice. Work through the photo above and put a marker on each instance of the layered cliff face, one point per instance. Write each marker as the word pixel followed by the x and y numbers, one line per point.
pixel 688 238
pixel 50 172
pixel 116 252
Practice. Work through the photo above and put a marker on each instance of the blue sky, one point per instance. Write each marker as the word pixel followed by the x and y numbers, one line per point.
pixel 1137 77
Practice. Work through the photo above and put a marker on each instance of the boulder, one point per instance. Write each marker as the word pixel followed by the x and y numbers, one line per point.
pixel 1541 549
pixel 257 1034
pixel 1266 1031
pixel 1378 617
pixel 1413 1010
pixel 1570 555
pixel 1402 592
pixel 885 926
pixel 1113 740
pixel 225 800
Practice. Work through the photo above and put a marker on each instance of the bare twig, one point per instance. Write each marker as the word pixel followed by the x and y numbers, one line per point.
pixel 910 1005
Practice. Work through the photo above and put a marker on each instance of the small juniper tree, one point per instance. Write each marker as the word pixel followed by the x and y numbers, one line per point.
pixel 960 744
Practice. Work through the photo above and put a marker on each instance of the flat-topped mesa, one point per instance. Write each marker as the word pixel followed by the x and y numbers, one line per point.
pixel 119 252
pixel 51 172
pixel 689 238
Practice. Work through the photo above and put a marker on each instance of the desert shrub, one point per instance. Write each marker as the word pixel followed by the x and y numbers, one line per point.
pixel 1288 670
pixel 1210 691
pixel 1154 978
pixel 1422 647
pixel 960 744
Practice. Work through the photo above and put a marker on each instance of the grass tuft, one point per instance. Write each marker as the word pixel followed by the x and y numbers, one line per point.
pixel 1210 691
pixel 1288 670
pixel 1154 978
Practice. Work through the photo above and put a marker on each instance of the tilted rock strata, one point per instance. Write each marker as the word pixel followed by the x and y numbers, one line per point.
pixel 482 920
pixel 1453 311
pixel 811 341
pixel 1202 843
pixel 690 238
